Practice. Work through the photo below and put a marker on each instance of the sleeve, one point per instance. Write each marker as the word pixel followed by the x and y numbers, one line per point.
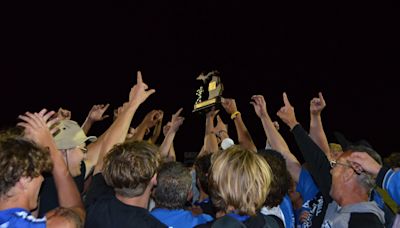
pixel 306 186
pixel 317 161
pixel 97 189
pixel 389 180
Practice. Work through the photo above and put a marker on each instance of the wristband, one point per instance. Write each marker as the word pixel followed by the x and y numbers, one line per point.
pixel 233 116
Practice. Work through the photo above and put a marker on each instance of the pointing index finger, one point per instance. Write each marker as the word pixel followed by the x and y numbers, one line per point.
pixel 286 100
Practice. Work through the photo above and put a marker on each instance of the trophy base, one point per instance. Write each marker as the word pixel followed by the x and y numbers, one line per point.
pixel 205 106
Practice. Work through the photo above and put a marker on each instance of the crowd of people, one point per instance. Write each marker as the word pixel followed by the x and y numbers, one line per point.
pixel 54 175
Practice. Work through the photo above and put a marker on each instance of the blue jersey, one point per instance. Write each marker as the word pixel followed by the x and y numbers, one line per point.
pixel 180 218
pixel 21 218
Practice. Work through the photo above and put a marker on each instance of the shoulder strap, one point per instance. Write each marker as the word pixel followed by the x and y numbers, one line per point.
pixel 227 221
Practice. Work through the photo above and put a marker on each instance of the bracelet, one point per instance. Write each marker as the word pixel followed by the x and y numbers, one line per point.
pixel 233 116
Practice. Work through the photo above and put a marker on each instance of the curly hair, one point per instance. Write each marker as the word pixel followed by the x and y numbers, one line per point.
pixel 240 180
pixel 129 167
pixel 20 158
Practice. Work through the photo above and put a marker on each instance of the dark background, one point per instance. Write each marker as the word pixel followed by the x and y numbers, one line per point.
pixel 74 58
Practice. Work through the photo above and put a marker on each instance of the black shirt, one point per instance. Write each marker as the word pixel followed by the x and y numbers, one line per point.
pixel 105 210
pixel 48 192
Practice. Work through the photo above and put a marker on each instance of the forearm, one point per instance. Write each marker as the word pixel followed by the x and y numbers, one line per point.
pixel 317 134
pixel 210 139
pixel 156 133
pixel 279 144
pixel 140 132
pixel 318 163
pixel 67 191
pixel 87 125
pixel 166 144
pixel 115 134
pixel 244 136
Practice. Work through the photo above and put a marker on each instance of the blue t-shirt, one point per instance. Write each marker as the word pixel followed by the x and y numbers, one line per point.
pixel 179 218
pixel 287 210
pixel 21 218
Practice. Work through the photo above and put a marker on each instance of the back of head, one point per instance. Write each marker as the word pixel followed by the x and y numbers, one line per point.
pixel 202 166
pixel 20 158
pixel 393 161
pixel 239 180
pixel 173 186
pixel 130 166
pixel 365 179
pixel 281 177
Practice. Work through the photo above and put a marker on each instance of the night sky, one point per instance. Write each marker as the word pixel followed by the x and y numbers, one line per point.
pixel 74 58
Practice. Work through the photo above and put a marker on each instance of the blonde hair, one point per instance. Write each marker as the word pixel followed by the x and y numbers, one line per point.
pixel 240 180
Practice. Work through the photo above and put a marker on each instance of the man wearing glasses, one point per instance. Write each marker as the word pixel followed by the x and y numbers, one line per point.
pixel 345 188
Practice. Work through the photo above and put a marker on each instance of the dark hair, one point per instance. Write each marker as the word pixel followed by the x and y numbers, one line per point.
pixel 281 177
pixel 173 186
pixel 202 166
pixel 393 160
pixel 20 158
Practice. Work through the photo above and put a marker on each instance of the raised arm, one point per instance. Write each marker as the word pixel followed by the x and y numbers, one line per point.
pixel 96 113
pixel 317 132
pixel 244 136
pixel 149 121
pixel 176 122
pixel 118 130
pixel 319 166
pixel 275 138
pixel 157 129
pixel 37 127
pixel 210 139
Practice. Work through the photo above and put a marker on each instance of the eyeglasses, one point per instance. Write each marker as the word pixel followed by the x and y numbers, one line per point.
pixel 334 163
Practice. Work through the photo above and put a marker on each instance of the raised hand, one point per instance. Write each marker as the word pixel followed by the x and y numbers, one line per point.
pixel 286 113
pixel 139 92
pixel 317 104
pixel 63 114
pixel 361 161
pixel 259 105
pixel 229 105
pixel 176 121
pixel 212 113
pixel 97 112
pixel 37 126
pixel 152 118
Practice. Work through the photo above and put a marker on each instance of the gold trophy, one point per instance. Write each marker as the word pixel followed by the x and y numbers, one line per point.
pixel 212 97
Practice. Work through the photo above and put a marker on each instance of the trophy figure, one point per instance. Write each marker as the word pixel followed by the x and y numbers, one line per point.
pixel 212 97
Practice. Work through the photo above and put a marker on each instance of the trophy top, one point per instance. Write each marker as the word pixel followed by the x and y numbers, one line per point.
pixel 212 75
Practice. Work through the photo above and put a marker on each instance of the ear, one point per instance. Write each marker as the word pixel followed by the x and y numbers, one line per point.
pixel 357 167
pixel 153 180
pixel 347 175
pixel 190 195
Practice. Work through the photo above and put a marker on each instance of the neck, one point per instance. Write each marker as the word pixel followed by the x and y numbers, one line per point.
pixel 139 201
pixel 13 202
pixel 355 195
